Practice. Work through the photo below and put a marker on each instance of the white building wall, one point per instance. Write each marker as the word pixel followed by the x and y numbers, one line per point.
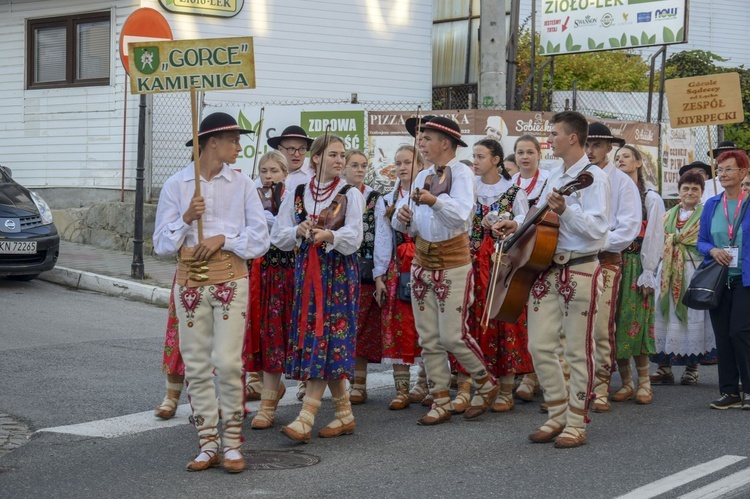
pixel 327 49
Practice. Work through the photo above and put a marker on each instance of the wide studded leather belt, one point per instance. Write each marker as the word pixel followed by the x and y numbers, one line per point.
pixel 443 255
pixel 222 266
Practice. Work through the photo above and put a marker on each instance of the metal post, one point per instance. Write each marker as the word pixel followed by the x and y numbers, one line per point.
pixel 512 57
pixel 651 82
pixel 532 62
pixel 575 95
pixel 136 269
pixel 661 83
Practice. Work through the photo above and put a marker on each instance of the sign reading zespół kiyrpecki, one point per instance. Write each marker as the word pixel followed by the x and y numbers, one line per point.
pixel 705 100
pixel 176 66
pixel 570 26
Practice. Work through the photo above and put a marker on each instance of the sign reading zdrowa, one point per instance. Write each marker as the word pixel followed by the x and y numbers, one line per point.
pixel 705 100
pixel 176 66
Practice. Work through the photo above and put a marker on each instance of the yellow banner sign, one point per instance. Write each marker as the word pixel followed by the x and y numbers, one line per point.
pixel 705 100
pixel 176 66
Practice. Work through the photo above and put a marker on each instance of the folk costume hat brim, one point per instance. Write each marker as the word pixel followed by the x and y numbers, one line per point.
pixel 290 132
pixel 446 126
pixel 600 131
pixel 411 123
pixel 217 123
pixel 724 146
pixel 696 164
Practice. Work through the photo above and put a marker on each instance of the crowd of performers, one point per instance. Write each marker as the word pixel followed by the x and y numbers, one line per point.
pixel 309 274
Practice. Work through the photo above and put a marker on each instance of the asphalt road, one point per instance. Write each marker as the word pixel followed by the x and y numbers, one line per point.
pixel 69 357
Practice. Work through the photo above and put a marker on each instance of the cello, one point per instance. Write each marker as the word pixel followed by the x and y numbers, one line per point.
pixel 523 255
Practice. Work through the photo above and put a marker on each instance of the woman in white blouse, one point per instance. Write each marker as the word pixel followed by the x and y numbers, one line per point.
pixel 634 336
pixel 374 255
pixel 323 219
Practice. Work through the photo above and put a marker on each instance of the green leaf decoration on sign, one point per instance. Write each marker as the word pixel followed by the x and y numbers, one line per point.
pixel 541 49
pixel 633 40
pixel 614 43
pixel 668 35
pixel 624 40
pixel 592 44
pixel 652 40
pixel 644 38
pixel 550 47
pixel 569 42
pixel 556 48
pixel 243 122
pixel 679 37
pixel 576 48
pixel 600 46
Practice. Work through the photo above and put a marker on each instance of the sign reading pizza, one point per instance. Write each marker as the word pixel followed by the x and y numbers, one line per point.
pixel 705 100
pixel 178 66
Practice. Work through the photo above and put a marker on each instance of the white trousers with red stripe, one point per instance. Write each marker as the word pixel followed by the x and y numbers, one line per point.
pixel 440 301
pixel 563 302
pixel 604 330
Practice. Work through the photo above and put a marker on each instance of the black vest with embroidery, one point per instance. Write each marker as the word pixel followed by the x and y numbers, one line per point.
pixel 367 249
pixel 503 204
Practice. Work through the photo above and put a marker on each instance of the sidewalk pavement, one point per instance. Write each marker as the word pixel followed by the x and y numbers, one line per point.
pixel 108 271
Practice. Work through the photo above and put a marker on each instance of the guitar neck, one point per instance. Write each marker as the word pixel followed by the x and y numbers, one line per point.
pixel 533 220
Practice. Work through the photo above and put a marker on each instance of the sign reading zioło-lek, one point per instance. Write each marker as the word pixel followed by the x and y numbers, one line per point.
pixel 178 66
pixel 705 100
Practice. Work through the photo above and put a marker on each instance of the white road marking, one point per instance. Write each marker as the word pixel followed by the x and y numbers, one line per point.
pixel 145 421
pixel 721 487
pixel 681 478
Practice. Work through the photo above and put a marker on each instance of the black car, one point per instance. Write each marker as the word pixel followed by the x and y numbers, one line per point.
pixel 29 243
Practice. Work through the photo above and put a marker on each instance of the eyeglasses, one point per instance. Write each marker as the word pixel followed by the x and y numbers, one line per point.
pixel 294 150
pixel 719 171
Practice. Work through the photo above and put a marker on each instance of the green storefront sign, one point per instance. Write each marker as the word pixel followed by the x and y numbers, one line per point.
pixel 216 8
pixel 349 125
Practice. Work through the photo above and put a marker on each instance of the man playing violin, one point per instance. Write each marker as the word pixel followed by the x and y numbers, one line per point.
pixel 562 305
pixel 441 287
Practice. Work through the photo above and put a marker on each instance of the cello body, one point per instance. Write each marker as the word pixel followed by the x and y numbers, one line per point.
pixel 521 265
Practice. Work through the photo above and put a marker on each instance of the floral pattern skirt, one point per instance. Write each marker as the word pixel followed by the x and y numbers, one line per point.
pixel 275 286
pixel 635 312
pixel 400 341
pixel 330 355
pixel 369 326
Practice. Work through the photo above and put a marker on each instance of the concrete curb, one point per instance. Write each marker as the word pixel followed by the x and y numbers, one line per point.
pixel 78 279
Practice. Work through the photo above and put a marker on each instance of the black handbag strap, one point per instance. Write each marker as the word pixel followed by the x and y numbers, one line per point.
pixel 738 221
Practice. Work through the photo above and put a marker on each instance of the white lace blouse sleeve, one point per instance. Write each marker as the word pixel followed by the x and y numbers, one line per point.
pixel 348 238
pixel 520 207
pixel 653 240
pixel 284 231
pixel 383 242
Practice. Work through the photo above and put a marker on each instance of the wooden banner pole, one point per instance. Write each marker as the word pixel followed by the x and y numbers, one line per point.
pixel 711 154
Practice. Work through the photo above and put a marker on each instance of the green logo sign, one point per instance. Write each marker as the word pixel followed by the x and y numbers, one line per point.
pixel 147 59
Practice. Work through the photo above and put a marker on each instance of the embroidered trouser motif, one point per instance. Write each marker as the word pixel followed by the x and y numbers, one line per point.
pixel 212 329
pixel 441 300
pixel 569 309
pixel 604 328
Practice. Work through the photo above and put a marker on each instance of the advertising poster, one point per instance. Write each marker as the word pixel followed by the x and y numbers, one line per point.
pixel 570 26
pixel 677 150
pixel 645 137
pixel 349 125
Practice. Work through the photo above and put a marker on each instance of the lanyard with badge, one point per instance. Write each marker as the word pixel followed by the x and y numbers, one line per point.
pixel 731 248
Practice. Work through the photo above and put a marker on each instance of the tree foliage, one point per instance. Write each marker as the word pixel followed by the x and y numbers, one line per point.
pixel 700 63
pixel 612 71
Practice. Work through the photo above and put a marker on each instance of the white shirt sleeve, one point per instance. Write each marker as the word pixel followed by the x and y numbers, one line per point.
pixel 653 241
pixel 284 231
pixel 348 238
pixel 253 240
pixel 169 228
pixel 520 207
pixel 383 240
pixel 628 217
pixel 455 209
pixel 588 221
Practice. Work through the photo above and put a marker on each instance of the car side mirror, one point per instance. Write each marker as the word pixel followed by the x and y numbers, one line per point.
pixel 7 170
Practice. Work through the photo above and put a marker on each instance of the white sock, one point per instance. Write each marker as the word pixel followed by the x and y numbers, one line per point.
pixel 204 456
pixel 232 454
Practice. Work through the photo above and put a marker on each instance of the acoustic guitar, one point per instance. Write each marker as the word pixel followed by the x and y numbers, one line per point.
pixel 522 256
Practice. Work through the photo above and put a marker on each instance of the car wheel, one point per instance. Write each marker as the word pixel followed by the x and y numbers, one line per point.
pixel 26 277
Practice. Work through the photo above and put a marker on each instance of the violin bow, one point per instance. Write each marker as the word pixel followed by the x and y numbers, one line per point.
pixel 414 159
pixel 257 143
pixel 498 256
pixel 317 181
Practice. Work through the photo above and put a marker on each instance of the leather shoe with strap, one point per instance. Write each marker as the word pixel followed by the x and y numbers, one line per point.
pixel 570 438
pixel 438 413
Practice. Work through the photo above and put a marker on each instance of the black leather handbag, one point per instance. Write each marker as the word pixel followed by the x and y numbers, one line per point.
pixel 366 269
pixel 710 279
pixel 404 286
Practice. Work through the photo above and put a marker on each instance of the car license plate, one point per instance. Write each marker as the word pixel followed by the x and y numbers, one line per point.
pixel 17 247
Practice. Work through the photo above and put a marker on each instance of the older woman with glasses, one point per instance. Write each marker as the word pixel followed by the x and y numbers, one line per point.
pixel 722 237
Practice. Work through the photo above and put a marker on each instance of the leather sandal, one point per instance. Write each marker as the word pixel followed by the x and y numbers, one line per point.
pixel 662 376
pixel 267 412
pixel 690 376
pixel 212 452
pixel 463 398
pixel 547 432
pixel 644 396
pixel 438 413
pixel 482 400
pixel 427 401
pixel 233 465
pixel 304 421
pixel 400 401
pixel 601 405
pixel 301 390
pixel 358 391
pixel 528 387
pixel 418 392
pixel 344 423
pixel 167 408
pixel 570 438
pixel 253 386
pixel 504 401
pixel 626 392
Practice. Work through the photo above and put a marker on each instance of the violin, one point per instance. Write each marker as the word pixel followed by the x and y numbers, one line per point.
pixel 270 197
pixel 439 182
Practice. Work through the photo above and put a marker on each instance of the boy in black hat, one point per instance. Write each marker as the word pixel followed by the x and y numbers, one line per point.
pixel 441 290
pixel 211 284
pixel 294 144
pixel 624 224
